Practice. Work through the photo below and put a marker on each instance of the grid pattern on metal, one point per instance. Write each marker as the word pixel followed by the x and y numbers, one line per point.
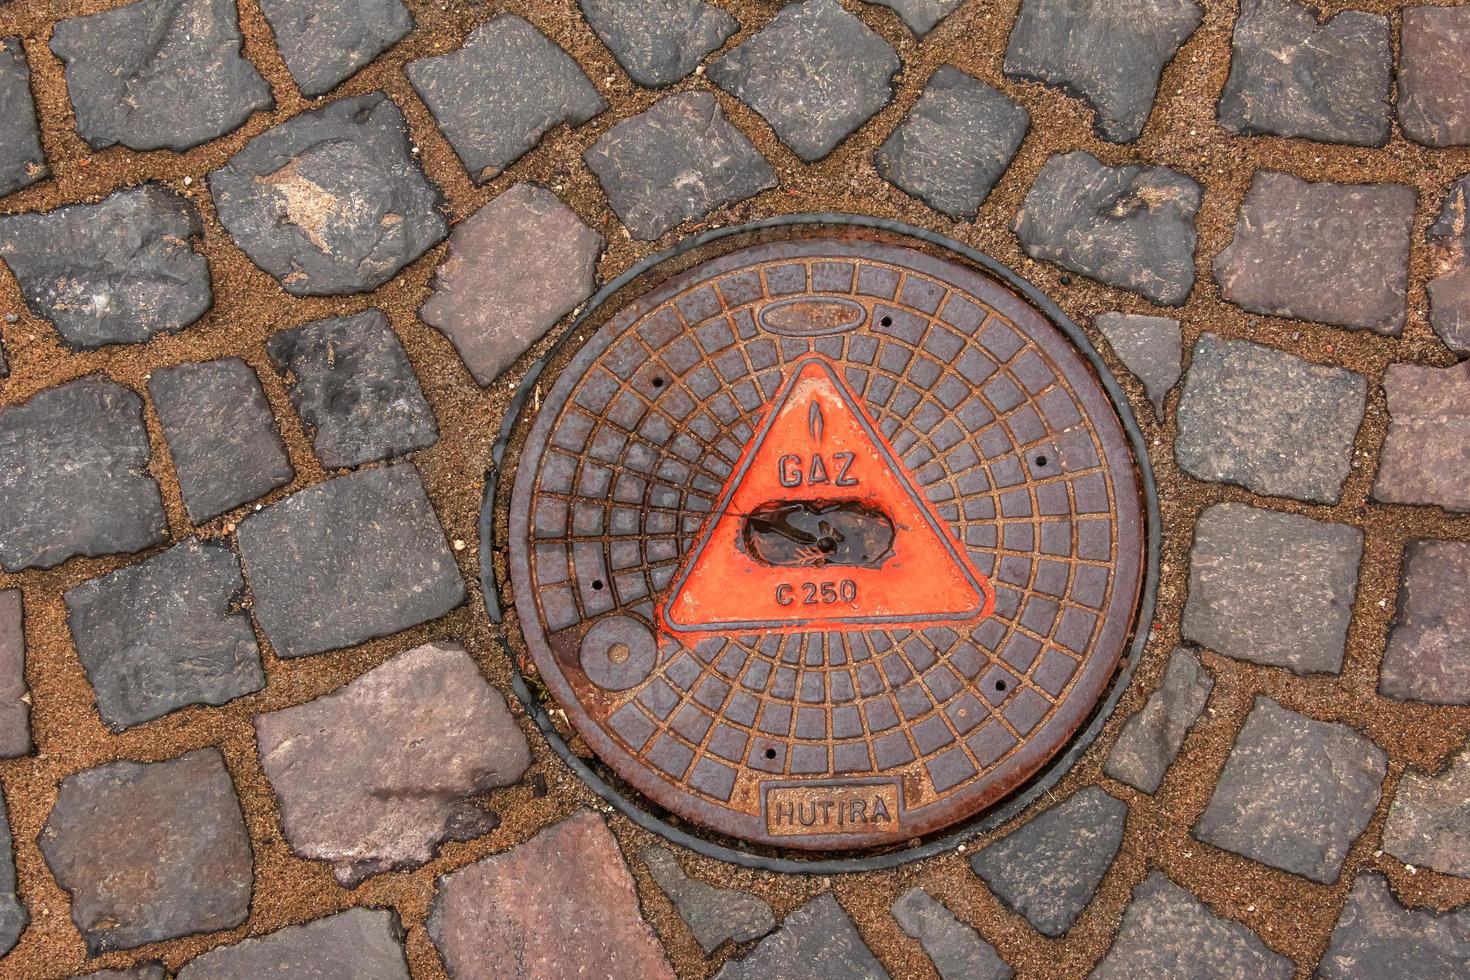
pixel 999 423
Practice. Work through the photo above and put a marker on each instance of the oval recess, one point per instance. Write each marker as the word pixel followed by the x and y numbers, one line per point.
pixel 812 316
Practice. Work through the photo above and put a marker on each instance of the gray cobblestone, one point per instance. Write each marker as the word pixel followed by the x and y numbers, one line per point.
pixel 955 144
pixel 15 700
pixel 1428 442
pixel 659 42
pixel 681 159
pixel 118 272
pixel 956 949
pixel 1151 738
pixel 1272 588
pixel 1295 792
pixel 1428 655
pixel 815 72
pixel 1048 869
pixel 1291 75
pixel 221 435
pixel 357 557
pixel 1428 823
pixel 1434 75
pixel 1130 227
pixel 1110 54
pixel 537 86
pixel 158 74
pixel 1268 420
pixel 818 941
pixel 1152 347
pixel 350 380
pixel 1168 934
pixel 22 161
pixel 330 201
pixel 73 476
pixel 1376 937
pixel 325 42
pixel 165 633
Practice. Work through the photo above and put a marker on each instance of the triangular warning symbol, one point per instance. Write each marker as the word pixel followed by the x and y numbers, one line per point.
pixel 820 527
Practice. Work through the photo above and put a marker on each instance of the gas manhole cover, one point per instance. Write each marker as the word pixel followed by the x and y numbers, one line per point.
pixel 825 543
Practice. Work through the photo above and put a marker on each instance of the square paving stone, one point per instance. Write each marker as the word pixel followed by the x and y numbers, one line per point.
pixel 1449 291
pixel 221 435
pixel 13 914
pixel 1434 75
pixel 355 558
pixel 158 74
pixel 1334 253
pixel 920 16
pixel 1152 347
pixel 1049 869
pixel 1428 655
pixel 74 476
pixel 331 201
pixel 1377 938
pixel 1151 738
pixel 165 633
pixel 681 159
pixel 537 86
pixel 1272 588
pixel 1110 54
pixel 325 42
pixel 956 949
pixel 955 144
pixel 150 851
pixel 1268 420
pixel 22 161
pixel 513 269
pixel 15 702
pixel 1295 792
pixel 658 42
pixel 505 916
pixel 816 942
pixel 712 914
pixel 1428 823
pixel 357 943
pixel 376 775
pixel 350 379
pixel 1168 934
pixel 815 73
pixel 118 272
pixel 1130 227
pixel 1427 452
pixel 1293 75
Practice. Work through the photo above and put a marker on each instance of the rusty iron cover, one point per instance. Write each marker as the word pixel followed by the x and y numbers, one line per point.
pixel 827 543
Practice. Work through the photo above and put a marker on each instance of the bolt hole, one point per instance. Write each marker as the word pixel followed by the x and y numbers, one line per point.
pixel 1040 460
pixel 887 321
pixel 658 382
pixel 770 753
pixel 1000 685
pixel 597 584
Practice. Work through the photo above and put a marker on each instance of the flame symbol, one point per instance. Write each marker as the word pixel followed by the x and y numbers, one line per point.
pixel 814 421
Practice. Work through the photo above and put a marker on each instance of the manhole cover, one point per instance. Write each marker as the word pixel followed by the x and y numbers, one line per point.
pixel 826 543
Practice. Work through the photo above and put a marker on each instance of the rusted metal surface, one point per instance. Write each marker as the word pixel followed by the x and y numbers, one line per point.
pixel 826 543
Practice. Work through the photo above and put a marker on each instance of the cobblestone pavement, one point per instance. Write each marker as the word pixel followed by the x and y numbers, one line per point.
pixel 276 265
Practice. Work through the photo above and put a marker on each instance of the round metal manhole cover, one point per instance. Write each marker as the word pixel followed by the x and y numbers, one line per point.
pixel 826 543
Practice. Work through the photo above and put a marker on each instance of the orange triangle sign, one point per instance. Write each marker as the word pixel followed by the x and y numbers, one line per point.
pixel 821 528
